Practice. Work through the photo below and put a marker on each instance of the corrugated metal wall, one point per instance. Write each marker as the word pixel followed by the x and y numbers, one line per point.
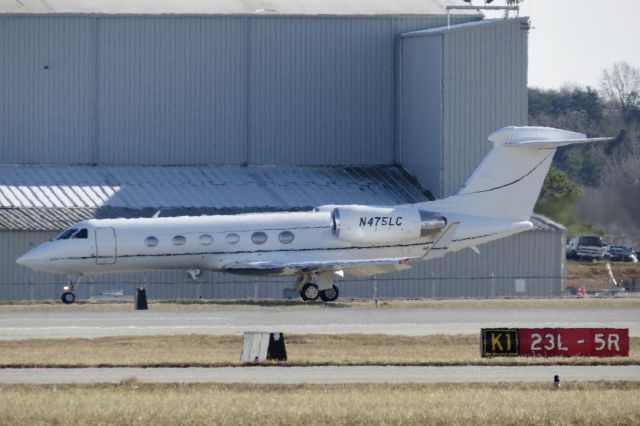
pixel 485 88
pixel 491 273
pixel 17 283
pixel 323 111
pixel 420 144
pixel 171 90
pixel 477 75
pixel 199 90
pixel 47 101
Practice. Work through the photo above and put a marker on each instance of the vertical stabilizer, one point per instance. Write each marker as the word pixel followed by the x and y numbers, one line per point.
pixel 508 181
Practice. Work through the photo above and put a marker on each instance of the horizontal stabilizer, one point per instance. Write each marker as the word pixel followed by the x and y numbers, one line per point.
pixel 538 137
pixel 553 143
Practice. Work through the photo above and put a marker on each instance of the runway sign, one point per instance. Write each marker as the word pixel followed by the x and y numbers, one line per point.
pixel 499 342
pixel 599 342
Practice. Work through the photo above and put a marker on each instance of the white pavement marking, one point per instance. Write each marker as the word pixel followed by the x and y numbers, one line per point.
pixel 326 374
pixel 398 321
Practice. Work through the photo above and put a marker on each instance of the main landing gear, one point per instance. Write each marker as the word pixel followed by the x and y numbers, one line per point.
pixel 311 291
pixel 330 294
pixel 68 296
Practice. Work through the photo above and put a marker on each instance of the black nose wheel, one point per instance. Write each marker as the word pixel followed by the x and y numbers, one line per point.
pixel 330 294
pixel 309 292
pixel 68 297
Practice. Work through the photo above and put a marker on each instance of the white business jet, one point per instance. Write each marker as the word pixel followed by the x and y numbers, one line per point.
pixel 496 202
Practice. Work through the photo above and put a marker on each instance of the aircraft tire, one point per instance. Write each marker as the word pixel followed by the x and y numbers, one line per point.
pixel 329 295
pixel 68 298
pixel 309 292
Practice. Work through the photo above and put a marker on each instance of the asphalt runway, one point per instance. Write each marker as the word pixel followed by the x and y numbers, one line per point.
pixel 307 319
pixel 322 375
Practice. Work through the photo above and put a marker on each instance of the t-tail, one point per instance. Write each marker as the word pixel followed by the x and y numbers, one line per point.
pixel 508 181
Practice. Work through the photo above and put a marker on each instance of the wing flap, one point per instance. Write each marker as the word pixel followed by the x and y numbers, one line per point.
pixel 356 267
pixel 368 270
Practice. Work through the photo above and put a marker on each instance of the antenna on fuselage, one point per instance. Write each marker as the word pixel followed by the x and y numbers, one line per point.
pixel 157 214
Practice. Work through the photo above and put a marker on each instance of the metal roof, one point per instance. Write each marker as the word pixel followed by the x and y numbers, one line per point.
pixel 231 7
pixel 546 224
pixel 40 219
pixel 52 197
pixel 485 23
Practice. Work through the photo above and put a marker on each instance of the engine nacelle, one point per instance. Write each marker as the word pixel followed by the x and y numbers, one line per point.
pixel 364 224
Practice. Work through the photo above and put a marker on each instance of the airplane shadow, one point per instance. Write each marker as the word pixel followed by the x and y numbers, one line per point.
pixel 262 303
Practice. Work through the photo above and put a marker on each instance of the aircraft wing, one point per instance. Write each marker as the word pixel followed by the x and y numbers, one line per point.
pixel 356 267
pixel 440 246
pixel 362 268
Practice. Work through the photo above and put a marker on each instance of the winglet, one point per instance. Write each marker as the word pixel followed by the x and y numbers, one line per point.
pixel 440 246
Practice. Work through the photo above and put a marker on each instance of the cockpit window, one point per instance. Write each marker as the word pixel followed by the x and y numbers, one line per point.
pixel 81 233
pixel 66 234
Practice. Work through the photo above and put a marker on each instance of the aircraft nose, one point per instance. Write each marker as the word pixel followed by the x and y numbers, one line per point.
pixel 33 259
pixel 26 259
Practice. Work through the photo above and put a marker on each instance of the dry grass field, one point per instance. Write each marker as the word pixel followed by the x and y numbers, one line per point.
pixel 594 276
pixel 152 404
pixel 317 349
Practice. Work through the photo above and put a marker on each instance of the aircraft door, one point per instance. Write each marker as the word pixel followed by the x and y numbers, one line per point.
pixel 105 246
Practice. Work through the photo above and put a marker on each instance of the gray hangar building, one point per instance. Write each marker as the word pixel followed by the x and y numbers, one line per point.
pixel 122 109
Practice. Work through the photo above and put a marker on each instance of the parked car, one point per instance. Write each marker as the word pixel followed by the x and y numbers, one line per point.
pixel 585 247
pixel 612 292
pixel 619 254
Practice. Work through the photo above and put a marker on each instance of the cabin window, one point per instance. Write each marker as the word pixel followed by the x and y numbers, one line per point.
pixel 179 240
pixel 232 238
pixel 286 237
pixel 66 234
pixel 259 237
pixel 81 234
pixel 205 239
pixel 151 241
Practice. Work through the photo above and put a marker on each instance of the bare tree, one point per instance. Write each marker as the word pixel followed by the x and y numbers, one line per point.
pixel 621 85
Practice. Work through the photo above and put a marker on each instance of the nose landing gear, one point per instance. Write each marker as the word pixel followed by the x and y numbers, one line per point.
pixel 194 274
pixel 68 296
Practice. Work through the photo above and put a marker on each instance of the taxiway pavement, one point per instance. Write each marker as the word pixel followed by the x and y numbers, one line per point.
pixel 305 320
pixel 325 374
